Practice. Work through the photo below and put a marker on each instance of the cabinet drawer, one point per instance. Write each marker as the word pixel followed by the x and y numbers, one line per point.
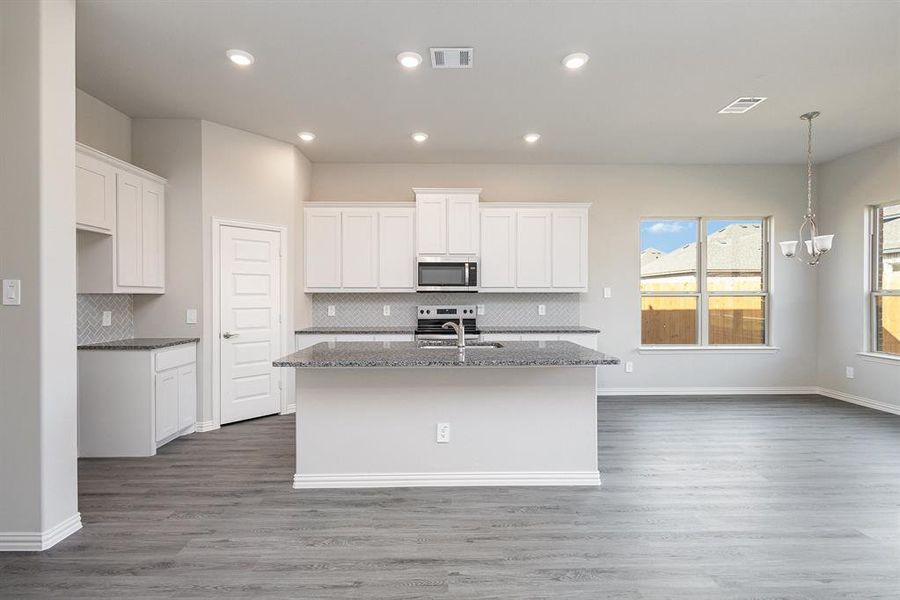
pixel 181 355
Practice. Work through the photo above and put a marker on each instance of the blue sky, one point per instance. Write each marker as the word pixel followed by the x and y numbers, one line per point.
pixel 667 234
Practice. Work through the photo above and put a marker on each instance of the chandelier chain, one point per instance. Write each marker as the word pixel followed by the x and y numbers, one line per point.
pixel 809 167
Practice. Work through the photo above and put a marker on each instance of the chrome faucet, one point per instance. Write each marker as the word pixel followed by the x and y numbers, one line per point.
pixel 460 330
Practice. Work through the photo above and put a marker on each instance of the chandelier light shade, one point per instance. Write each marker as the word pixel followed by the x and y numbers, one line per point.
pixel 814 245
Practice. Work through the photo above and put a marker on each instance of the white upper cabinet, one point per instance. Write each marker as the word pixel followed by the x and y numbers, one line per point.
pixel 498 248
pixel 323 248
pixel 121 218
pixel 397 248
pixel 359 248
pixel 447 221
pixel 533 248
pixel 95 194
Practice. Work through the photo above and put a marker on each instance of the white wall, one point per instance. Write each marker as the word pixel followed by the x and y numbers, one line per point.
pixel 38 444
pixel 846 188
pixel 101 126
pixel 620 196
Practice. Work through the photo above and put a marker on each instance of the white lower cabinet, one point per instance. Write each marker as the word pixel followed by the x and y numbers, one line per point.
pixel 130 402
pixel 588 340
pixel 305 340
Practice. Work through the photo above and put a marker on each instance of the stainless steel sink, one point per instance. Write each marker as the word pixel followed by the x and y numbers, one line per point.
pixel 433 345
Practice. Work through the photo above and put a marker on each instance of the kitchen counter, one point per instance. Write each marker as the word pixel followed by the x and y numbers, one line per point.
pixel 138 344
pixel 409 355
pixel 404 329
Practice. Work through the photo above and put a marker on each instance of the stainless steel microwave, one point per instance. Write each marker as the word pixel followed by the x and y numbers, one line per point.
pixel 447 274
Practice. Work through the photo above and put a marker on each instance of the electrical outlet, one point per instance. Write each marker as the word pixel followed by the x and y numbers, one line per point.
pixel 107 318
pixel 607 292
pixel 850 373
pixel 386 311
pixel 629 366
pixel 443 433
pixel 479 309
pixel 331 310
pixel 542 310
pixel 190 316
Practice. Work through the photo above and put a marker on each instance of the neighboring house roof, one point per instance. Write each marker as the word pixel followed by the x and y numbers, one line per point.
pixel 649 255
pixel 734 248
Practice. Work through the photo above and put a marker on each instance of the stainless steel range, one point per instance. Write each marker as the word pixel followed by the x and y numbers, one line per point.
pixel 431 319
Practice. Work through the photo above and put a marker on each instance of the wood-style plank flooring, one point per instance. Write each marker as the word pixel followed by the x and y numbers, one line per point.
pixel 728 497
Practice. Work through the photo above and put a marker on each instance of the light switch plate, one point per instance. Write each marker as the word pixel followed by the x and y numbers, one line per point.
pixel 607 292
pixel 107 318
pixel 190 316
pixel 850 373
pixel 12 292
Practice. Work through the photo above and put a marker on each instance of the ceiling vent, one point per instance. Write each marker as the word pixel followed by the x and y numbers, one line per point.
pixel 742 105
pixel 451 58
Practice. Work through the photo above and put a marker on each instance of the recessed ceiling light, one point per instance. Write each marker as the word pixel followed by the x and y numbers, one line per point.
pixel 409 60
pixel 420 136
pixel 576 60
pixel 240 57
pixel 531 137
pixel 306 136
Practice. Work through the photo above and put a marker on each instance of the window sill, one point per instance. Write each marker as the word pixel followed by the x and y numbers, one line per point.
pixel 880 357
pixel 708 349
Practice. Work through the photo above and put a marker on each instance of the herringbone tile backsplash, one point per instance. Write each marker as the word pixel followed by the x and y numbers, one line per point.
pixel 366 310
pixel 90 317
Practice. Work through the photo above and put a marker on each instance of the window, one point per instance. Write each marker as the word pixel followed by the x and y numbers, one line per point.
pixel 711 292
pixel 886 279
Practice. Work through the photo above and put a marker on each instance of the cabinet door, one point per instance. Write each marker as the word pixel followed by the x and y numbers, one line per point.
pixel 588 340
pixel 397 248
pixel 533 248
pixel 305 340
pixel 152 234
pixel 187 396
pixel 166 403
pixel 359 248
pixel 462 224
pixel 128 230
pixel 323 248
pixel 570 248
pixel 95 194
pixel 498 248
pixel 431 224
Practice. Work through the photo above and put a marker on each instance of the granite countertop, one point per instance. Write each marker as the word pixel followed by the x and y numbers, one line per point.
pixel 409 355
pixel 403 329
pixel 138 344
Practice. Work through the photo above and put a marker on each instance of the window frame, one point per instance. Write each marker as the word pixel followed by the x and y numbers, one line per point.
pixel 875 289
pixel 703 294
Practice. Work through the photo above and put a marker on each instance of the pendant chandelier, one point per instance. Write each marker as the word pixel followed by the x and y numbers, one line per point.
pixel 813 245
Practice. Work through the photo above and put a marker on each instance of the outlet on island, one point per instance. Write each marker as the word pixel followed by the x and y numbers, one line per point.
pixel 443 433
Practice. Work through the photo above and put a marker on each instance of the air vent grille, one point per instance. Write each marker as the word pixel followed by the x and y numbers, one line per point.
pixel 451 58
pixel 742 105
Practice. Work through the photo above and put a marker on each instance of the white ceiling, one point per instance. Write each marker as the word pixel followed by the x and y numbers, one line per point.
pixel 658 74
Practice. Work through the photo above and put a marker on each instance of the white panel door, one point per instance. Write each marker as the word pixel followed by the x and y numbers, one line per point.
pixel 323 248
pixel 533 247
pixel 397 248
pixel 166 404
pixel 187 396
pixel 359 248
pixel 498 248
pixel 431 224
pixel 462 224
pixel 250 339
pixel 570 248
pixel 152 234
pixel 95 194
pixel 128 230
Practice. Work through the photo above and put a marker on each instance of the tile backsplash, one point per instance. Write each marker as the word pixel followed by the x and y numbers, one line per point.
pixel 90 317
pixel 366 310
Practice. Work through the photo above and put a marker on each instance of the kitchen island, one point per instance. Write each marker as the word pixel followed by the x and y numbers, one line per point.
pixel 396 414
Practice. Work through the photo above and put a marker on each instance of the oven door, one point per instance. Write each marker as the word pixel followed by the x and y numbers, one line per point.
pixel 442 275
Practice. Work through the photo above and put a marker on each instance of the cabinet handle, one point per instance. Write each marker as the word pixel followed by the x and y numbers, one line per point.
pixel 228 335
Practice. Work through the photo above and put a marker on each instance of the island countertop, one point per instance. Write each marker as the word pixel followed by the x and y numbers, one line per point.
pixel 410 355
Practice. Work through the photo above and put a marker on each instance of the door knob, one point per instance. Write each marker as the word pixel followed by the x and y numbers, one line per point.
pixel 228 335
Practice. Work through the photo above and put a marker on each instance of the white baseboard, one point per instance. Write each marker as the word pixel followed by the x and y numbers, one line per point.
pixel 704 391
pixel 37 541
pixel 290 409
pixel 383 480
pixel 868 402
pixel 205 426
